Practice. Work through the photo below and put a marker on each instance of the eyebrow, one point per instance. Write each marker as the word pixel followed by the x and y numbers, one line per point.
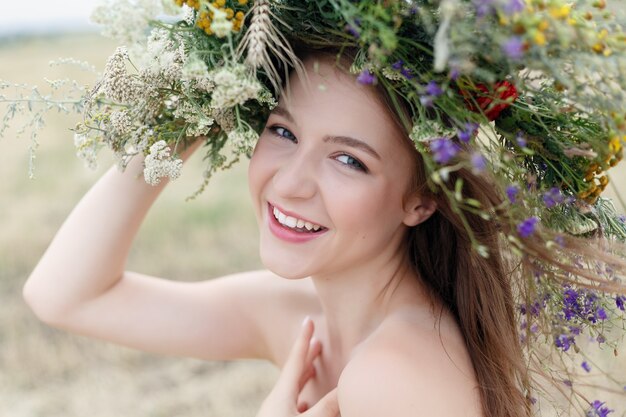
pixel 343 140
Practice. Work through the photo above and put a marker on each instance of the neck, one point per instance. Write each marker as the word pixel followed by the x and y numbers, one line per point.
pixel 356 301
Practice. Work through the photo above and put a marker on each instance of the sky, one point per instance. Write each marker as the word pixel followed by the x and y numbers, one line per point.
pixel 44 16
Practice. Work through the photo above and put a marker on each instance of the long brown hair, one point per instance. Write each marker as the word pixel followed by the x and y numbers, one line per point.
pixel 477 290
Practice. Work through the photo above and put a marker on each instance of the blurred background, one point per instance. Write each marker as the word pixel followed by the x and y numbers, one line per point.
pixel 49 373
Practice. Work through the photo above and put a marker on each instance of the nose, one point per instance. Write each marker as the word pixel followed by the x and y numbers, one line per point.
pixel 295 178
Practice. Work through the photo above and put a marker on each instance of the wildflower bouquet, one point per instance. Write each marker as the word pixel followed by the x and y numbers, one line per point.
pixel 530 93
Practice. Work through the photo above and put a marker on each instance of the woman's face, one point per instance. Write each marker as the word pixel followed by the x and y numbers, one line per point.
pixel 328 178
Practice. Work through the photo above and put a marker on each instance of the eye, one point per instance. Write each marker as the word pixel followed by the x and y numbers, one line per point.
pixel 282 133
pixel 351 162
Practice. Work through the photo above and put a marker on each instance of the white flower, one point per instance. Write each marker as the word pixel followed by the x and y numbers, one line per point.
pixel 198 119
pixel 121 123
pixel 220 25
pixel 159 164
pixel 425 130
pixel 87 149
pixel 243 139
pixel 233 85
pixel 117 84
pixel 126 20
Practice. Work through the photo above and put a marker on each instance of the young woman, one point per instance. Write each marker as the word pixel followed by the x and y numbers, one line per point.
pixel 405 318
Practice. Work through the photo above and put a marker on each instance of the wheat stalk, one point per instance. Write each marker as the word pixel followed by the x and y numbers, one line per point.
pixel 263 38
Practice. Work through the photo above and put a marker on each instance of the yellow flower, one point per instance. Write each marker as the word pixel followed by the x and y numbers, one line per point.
pixel 229 13
pixel 598 47
pixel 239 15
pixel 615 145
pixel 543 25
pixel 560 12
pixel 220 3
pixel 540 38
pixel 243 2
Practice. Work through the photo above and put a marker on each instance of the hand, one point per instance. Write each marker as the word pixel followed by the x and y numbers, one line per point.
pixel 283 400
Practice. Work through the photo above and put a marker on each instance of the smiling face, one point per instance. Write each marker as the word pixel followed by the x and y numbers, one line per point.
pixel 329 177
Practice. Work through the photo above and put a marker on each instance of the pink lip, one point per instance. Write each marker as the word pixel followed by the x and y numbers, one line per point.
pixel 285 233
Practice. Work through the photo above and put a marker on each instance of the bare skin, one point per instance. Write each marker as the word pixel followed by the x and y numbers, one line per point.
pixel 387 346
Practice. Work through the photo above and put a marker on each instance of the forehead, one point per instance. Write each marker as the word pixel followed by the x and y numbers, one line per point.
pixel 332 100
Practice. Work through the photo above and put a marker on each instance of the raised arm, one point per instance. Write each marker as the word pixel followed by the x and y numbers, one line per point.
pixel 81 285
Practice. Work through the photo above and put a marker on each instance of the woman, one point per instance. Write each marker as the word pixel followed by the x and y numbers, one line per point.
pixel 334 159
pixel 410 300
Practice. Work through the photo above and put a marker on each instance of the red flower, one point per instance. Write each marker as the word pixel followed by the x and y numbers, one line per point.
pixel 491 102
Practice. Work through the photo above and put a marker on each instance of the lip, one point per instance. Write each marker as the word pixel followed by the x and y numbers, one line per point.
pixel 286 234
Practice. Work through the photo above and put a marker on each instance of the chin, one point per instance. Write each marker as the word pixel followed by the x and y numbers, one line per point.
pixel 284 265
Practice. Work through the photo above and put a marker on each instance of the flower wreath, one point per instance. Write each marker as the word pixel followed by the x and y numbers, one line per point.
pixel 529 92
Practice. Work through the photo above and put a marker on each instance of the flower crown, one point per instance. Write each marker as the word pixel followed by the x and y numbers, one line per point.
pixel 529 92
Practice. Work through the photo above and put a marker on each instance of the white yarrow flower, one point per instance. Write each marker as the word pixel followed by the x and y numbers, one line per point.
pixel 159 164
pixel 243 139
pixel 87 149
pixel 233 85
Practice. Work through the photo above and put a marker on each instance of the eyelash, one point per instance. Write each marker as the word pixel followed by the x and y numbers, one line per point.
pixel 356 165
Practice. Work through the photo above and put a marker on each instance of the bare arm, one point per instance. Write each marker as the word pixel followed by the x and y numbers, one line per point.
pixel 81 285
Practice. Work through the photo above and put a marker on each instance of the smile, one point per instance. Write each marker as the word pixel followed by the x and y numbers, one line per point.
pixel 292 228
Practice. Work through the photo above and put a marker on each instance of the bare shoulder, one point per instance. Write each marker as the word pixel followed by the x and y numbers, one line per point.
pixel 406 369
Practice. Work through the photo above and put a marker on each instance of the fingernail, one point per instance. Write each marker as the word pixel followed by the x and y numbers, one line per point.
pixel 306 320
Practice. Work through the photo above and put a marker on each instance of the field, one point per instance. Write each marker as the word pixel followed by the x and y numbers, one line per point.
pixel 49 373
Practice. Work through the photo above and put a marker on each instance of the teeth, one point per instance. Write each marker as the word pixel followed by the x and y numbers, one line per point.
pixel 292 222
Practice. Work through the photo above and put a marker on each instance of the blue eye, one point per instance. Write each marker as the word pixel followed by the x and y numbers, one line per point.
pixel 351 162
pixel 283 133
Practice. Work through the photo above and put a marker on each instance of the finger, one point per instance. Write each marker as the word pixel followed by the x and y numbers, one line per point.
pixel 302 407
pixel 295 364
pixel 328 406
pixel 309 373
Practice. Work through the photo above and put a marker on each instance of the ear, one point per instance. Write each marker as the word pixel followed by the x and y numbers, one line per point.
pixel 418 209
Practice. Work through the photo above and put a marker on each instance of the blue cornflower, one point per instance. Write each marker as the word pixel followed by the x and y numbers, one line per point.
pixel 406 73
pixel 619 301
pixel 586 366
pixel 527 227
pixel 514 48
pixel 599 409
pixel 444 150
pixel 366 77
pixel 511 193
pixel 552 197
pixel 513 6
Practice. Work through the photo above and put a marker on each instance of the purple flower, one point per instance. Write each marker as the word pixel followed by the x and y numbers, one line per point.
pixel 352 31
pixel 454 74
pixel 483 7
pixel 444 150
pixel 479 163
pixel 406 73
pixel 559 240
pixel 433 89
pixel 513 6
pixel 366 77
pixel 534 328
pixel 527 227
pixel 564 342
pixel 521 140
pixel 619 301
pixel 586 366
pixel 622 218
pixel 601 314
pixel 600 339
pixel 397 66
pixel 552 197
pixel 514 48
pixel 469 131
pixel 511 193
pixel 598 409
